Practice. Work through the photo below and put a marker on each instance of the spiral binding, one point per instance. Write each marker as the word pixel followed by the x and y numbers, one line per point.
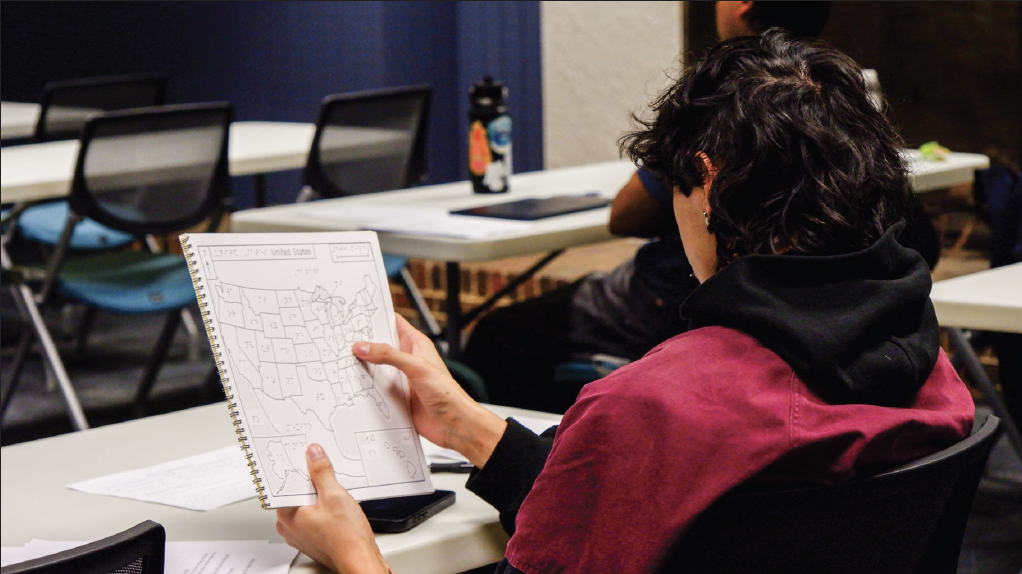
pixel 221 366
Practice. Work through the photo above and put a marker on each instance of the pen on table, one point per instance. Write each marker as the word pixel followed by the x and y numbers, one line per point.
pixel 459 467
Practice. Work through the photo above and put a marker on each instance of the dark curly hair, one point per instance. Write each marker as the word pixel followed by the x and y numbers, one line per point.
pixel 806 164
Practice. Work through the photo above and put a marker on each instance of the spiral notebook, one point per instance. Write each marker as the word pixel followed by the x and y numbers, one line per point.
pixel 282 311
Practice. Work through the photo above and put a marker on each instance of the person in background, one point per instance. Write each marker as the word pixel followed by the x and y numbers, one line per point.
pixel 623 313
pixel 814 350
pixel 627 311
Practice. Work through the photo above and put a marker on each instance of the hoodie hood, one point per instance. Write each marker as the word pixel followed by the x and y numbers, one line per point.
pixel 856 328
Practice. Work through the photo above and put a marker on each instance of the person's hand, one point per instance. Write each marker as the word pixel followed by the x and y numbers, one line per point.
pixel 333 531
pixel 441 410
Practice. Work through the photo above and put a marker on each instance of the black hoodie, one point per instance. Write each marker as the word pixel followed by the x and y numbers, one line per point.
pixel 856 328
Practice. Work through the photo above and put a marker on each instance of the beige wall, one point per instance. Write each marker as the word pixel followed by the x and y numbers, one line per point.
pixel 601 61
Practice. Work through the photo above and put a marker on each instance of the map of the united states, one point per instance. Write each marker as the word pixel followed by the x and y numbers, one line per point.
pixel 282 312
pixel 290 350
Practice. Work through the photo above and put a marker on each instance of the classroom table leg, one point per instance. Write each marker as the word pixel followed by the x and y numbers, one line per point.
pixel 260 189
pixel 507 289
pixel 25 300
pixel 455 319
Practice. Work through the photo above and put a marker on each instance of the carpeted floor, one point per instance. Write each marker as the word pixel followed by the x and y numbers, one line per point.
pixel 105 376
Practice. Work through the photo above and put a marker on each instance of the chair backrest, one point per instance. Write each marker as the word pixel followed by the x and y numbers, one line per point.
pixel 907 520
pixel 390 125
pixel 138 550
pixel 153 170
pixel 67 104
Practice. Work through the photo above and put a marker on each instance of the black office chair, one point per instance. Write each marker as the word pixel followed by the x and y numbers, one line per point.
pixel 397 118
pixel 67 104
pixel 907 520
pixel 146 171
pixel 138 550
pixel 65 107
pixel 394 122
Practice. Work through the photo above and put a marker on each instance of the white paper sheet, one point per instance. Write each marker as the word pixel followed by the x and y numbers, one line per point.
pixel 36 549
pixel 418 221
pixel 436 453
pixel 200 482
pixel 12 555
pixel 368 214
pixel 447 225
pixel 204 557
pixel 246 556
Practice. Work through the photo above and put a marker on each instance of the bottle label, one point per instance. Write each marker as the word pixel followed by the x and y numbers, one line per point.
pixel 499 170
pixel 500 134
pixel 478 149
pixel 489 154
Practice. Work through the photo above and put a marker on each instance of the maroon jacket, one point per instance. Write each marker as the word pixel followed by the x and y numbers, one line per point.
pixel 647 449
pixel 798 368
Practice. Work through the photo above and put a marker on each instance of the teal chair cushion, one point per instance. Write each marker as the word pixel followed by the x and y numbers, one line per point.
pixel 587 369
pixel 44 223
pixel 129 281
pixel 393 264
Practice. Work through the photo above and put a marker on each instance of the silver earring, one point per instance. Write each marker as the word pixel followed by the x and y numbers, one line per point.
pixel 706 216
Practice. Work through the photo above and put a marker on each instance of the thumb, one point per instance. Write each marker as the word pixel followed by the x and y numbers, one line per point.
pixel 321 471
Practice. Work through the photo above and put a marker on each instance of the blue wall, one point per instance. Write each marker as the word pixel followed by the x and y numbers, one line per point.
pixel 277 60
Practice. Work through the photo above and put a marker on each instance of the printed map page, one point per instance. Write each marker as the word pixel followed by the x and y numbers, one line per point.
pixel 285 310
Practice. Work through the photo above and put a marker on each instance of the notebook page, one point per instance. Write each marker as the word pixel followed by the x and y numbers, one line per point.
pixel 282 312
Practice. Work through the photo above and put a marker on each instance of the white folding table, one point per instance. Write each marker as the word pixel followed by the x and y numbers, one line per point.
pixel 18 119
pixel 34 502
pixel 955 169
pixel 991 301
pixel 42 171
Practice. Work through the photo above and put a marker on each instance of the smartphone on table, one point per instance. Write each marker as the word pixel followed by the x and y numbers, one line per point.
pixel 401 513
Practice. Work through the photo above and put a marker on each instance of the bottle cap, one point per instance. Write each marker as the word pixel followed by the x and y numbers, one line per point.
pixel 487 91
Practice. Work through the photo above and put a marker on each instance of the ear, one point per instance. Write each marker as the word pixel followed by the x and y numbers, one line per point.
pixel 709 170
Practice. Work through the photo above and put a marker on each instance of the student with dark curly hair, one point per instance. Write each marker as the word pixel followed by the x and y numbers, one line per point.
pixel 628 310
pixel 814 351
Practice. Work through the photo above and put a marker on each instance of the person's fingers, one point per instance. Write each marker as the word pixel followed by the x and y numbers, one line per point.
pixel 406 330
pixel 404 327
pixel 384 354
pixel 333 531
pixel 416 342
pixel 321 471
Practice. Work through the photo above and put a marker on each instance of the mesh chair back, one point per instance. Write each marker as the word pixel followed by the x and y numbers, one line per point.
pixel 907 520
pixel 153 170
pixel 138 550
pixel 67 104
pixel 390 128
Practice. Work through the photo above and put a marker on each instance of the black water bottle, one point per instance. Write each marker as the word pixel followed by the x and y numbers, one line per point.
pixel 489 137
